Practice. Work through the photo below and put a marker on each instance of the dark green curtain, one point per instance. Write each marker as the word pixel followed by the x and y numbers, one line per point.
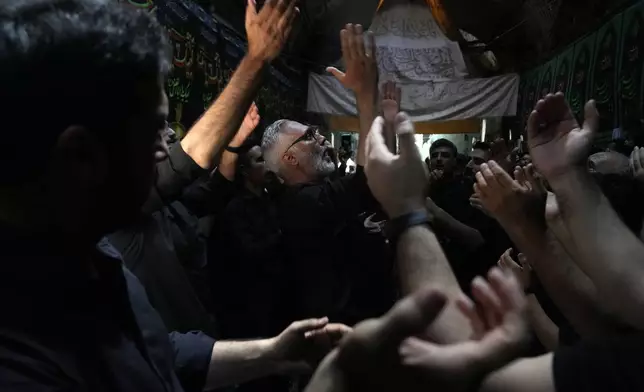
pixel 606 66
pixel 205 53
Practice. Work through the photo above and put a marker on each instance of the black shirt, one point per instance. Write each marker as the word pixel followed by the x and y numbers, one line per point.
pixel 247 268
pixel 339 262
pixel 164 248
pixel 453 196
pixel 610 364
pixel 85 325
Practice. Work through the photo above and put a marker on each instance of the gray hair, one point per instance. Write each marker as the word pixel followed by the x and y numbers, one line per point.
pixel 270 141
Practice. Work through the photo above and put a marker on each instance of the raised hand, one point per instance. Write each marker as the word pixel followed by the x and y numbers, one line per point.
pixel 504 198
pixel 522 271
pixel 268 29
pixel 637 164
pixel 557 142
pixel 500 333
pixel 251 120
pixel 361 74
pixel 398 182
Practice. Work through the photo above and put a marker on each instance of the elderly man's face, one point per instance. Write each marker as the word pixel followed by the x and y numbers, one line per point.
pixel 308 150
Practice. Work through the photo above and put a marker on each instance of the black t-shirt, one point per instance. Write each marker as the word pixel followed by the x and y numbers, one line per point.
pixel 453 196
pixel 247 268
pixel 611 364
pixel 339 262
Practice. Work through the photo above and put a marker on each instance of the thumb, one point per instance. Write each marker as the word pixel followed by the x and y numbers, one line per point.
pixel 411 316
pixel 309 325
pixel 336 72
pixel 405 131
pixel 591 117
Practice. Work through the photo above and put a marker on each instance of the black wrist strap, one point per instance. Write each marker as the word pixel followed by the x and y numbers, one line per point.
pixel 395 227
pixel 234 150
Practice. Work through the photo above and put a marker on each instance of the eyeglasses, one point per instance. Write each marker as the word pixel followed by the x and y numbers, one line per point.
pixel 312 133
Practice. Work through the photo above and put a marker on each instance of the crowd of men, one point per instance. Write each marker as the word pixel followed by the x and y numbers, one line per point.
pixel 137 262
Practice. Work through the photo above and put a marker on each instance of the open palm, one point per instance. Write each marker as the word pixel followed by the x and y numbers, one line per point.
pixel 557 142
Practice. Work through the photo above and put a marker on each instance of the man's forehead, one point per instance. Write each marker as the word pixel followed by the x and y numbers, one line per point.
pixel 478 153
pixel 293 128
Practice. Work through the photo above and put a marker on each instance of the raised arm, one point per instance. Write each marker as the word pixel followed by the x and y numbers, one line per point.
pixel 611 254
pixel 519 207
pixel 229 159
pixel 267 31
pixel 398 182
pixel 361 77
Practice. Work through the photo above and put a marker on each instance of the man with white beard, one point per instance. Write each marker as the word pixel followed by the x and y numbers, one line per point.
pixel 338 260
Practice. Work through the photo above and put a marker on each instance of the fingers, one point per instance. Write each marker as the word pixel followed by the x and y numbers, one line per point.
pixel 334 332
pixel 481 187
pixel 636 159
pixel 304 326
pixel 411 316
pixel 507 289
pixel 336 73
pixel 501 176
pixel 358 42
pixel 351 43
pixel 376 148
pixel 251 10
pixel 489 302
pixel 490 178
pixel 345 43
pixel 370 46
pixel 523 261
pixel 468 309
pixel 406 141
pixel 533 125
pixel 519 175
pixel 591 116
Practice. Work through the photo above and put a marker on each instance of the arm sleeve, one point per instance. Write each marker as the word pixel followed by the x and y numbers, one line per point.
pixel 351 191
pixel 605 365
pixel 173 176
pixel 192 353
pixel 209 195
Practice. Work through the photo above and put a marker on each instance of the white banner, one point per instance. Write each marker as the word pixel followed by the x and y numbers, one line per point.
pixel 412 47
pixel 426 101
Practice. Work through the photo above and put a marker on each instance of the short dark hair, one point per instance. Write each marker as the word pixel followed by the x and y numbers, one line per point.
pixel 71 62
pixel 443 143
pixel 481 146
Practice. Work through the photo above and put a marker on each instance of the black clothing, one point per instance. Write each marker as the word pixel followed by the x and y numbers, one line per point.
pixel 611 364
pixel 247 269
pixel 165 249
pixel 453 196
pixel 340 263
pixel 85 324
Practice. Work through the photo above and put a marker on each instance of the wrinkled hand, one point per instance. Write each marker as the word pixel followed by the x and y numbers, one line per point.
pixel 361 74
pixel 269 29
pixel 523 272
pixel 637 164
pixel 557 143
pixel 504 198
pixel 397 181
pixel 500 333
pixel 251 120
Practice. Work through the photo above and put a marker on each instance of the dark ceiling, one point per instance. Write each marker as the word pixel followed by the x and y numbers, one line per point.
pixel 521 33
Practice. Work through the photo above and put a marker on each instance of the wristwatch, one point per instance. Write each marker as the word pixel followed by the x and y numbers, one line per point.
pixel 394 228
pixel 234 150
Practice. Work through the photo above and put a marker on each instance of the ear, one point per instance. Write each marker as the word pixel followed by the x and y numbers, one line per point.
pixel 290 159
pixel 81 156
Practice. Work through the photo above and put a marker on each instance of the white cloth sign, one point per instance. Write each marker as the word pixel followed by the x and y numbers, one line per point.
pixel 412 47
pixel 426 101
